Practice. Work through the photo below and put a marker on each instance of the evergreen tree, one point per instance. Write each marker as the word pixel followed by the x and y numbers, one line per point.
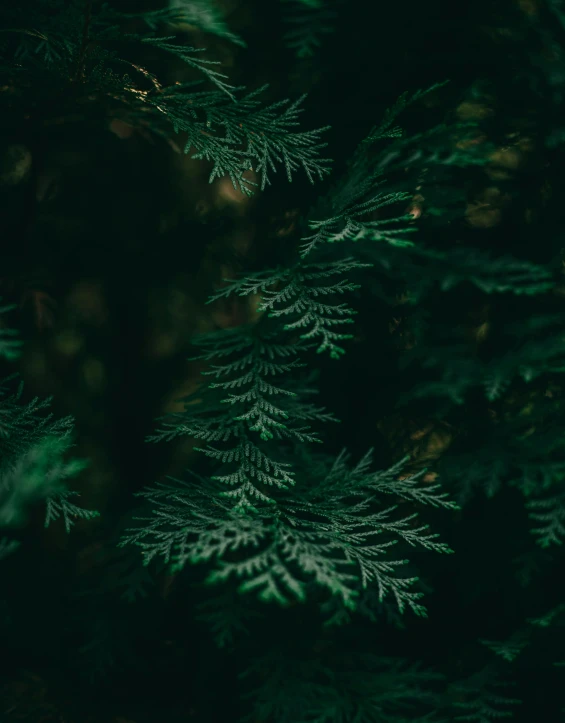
pixel 374 362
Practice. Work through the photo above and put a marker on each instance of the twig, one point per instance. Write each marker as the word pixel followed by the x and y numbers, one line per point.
pixel 79 75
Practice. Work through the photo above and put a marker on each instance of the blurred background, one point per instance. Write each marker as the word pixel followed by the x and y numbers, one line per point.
pixel 115 240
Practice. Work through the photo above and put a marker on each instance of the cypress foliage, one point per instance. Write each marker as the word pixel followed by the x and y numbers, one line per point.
pixel 316 403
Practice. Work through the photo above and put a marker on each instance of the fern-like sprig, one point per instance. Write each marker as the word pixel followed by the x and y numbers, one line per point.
pixel 349 224
pixel 335 537
pixel 298 291
pixel 234 132
pixel 480 699
pixel 33 453
pixel 59 505
pixel 38 473
pixel 296 294
pixel 248 410
pixel 548 514
pixel 202 14
pixel 307 22
pixel 189 56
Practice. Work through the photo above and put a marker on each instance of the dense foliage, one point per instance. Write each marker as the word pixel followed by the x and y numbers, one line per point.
pixel 355 364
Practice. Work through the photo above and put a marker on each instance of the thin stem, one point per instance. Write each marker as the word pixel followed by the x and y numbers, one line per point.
pixel 79 75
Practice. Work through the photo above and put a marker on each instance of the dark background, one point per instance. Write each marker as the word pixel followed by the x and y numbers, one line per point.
pixel 126 238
